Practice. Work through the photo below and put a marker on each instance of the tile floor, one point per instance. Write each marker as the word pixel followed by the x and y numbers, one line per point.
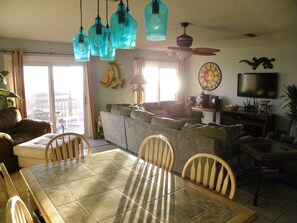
pixel 277 200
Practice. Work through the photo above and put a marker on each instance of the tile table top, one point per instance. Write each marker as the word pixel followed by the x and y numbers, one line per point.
pixel 114 186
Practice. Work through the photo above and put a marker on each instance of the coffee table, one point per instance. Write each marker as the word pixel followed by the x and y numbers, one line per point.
pixel 263 151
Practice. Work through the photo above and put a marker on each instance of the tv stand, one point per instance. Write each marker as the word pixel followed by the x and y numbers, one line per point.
pixel 254 123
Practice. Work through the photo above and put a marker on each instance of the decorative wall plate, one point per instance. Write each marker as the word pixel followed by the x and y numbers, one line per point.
pixel 209 76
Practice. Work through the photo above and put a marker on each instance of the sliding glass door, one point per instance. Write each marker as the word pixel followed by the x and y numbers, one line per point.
pixel 56 93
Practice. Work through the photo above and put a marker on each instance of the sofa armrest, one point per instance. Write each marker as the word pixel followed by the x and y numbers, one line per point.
pixel 198 114
pixel 5 138
pixel 31 125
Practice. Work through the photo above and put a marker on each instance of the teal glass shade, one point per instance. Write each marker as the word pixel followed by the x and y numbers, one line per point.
pixel 110 53
pixel 156 17
pixel 81 46
pixel 134 30
pixel 120 27
pixel 98 38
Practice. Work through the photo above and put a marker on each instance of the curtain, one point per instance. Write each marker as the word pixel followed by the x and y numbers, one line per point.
pixel 182 80
pixel 91 128
pixel 18 81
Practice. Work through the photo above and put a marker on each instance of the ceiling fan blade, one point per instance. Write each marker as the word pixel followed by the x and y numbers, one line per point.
pixel 204 53
pixel 188 49
pixel 205 50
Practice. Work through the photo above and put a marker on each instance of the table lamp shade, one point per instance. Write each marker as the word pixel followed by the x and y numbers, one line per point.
pixel 138 79
pixel 156 16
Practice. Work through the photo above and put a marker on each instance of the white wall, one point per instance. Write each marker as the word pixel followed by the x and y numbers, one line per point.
pixel 228 60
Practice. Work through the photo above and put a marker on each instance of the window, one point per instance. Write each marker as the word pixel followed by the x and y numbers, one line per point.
pixel 55 91
pixel 162 81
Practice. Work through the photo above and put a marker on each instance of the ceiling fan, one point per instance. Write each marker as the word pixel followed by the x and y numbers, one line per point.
pixel 184 42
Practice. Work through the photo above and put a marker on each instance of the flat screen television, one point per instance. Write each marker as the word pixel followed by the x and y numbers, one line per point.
pixel 257 85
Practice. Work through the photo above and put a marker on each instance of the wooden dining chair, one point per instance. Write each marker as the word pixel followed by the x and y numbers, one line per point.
pixel 211 172
pixel 157 150
pixel 17 212
pixel 6 182
pixel 66 146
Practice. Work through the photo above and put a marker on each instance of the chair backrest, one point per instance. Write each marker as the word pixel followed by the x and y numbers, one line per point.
pixel 17 212
pixel 158 151
pixel 6 182
pixel 212 172
pixel 66 146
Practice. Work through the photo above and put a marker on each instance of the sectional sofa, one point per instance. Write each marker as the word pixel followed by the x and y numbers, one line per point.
pixel 127 127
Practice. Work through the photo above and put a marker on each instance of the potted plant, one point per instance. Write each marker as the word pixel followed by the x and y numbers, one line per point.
pixel 5 95
pixel 290 102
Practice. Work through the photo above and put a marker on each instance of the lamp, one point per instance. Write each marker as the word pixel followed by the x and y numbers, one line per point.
pixel 134 28
pixel 120 27
pixel 98 35
pixel 110 53
pixel 80 42
pixel 138 80
pixel 156 16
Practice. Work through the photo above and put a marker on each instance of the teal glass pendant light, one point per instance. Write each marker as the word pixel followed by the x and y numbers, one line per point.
pixel 80 42
pixel 98 36
pixel 156 16
pixel 111 51
pixel 134 28
pixel 120 27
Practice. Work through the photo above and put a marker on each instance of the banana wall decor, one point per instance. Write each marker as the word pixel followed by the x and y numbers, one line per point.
pixel 112 77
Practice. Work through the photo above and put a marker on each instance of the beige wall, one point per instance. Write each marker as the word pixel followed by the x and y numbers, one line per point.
pixel 227 59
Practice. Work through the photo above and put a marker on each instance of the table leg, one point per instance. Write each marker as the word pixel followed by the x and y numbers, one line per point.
pixel 258 184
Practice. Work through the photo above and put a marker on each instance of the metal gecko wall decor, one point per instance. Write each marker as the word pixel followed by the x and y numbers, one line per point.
pixel 266 63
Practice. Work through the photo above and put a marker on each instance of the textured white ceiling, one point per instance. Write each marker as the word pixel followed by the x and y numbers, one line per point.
pixel 213 23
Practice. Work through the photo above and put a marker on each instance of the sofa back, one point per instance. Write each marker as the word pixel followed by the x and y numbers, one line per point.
pixel 9 118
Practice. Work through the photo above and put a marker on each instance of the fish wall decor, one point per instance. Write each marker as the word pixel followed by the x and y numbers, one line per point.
pixel 112 77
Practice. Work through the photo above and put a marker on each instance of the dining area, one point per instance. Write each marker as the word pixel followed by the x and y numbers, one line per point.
pixel 117 186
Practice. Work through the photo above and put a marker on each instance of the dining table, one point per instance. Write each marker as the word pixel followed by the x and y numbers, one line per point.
pixel 115 186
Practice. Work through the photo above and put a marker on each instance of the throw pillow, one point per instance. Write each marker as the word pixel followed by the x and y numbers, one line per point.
pixel 177 109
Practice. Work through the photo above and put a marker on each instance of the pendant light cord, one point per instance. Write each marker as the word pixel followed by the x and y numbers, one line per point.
pixel 127 8
pixel 81 14
pixel 107 13
pixel 98 8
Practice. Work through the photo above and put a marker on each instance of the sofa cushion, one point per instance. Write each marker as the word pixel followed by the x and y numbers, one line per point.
pixel 166 105
pixel 167 122
pixel 177 109
pixel 162 113
pixel 9 118
pixel 120 110
pixel 149 106
pixel 142 115
pixel 227 135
